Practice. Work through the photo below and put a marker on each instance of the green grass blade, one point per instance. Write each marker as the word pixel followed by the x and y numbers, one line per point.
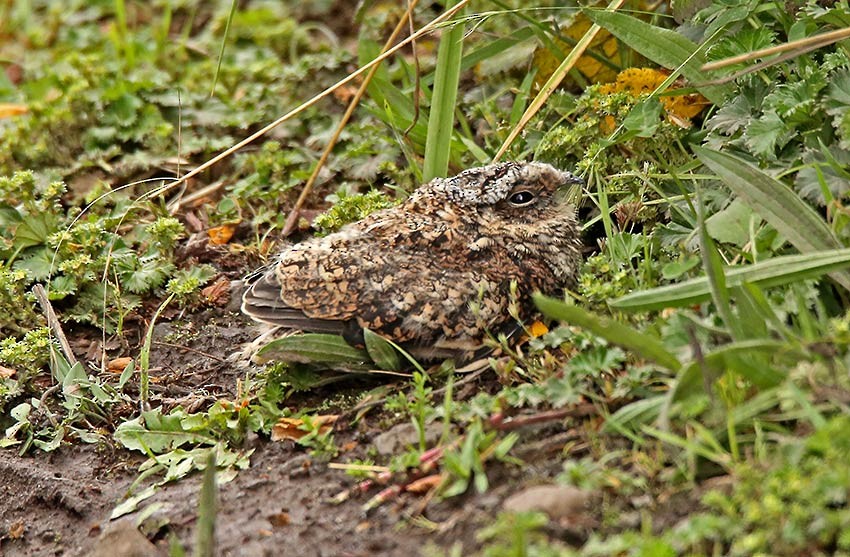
pixel 663 46
pixel 776 203
pixel 643 344
pixel 441 116
pixel 713 266
pixel 689 380
pixel 207 510
pixel 773 272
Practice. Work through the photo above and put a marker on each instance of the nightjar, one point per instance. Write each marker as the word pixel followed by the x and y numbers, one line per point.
pixel 433 273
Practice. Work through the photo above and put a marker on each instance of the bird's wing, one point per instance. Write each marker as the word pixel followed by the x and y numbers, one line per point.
pixel 262 302
pixel 407 294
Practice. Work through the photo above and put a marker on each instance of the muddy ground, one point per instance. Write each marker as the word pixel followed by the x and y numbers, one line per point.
pixel 59 503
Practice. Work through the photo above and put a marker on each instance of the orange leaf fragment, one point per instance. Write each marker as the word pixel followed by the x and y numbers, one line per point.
pixel 538 329
pixel 291 428
pixel 280 519
pixel 6 372
pixel 8 110
pixel 118 365
pixel 424 485
pixel 218 293
pixel 221 234
pixel 16 530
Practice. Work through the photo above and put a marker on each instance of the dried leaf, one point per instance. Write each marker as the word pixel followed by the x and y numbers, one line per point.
pixel 279 520
pixel 6 372
pixel 290 428
pixel 8 110
pixel 218 293
pixel 16 530
pixel 538 329
pixel 118 365
pixel 221 234
pixel 424 485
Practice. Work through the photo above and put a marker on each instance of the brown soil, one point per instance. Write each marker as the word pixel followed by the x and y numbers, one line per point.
pixel 59 503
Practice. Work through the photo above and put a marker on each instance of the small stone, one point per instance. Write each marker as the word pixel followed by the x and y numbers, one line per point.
pixel 123 538
pixel 396 440
pixel 560 502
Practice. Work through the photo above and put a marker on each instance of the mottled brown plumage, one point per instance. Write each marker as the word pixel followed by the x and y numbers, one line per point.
pixel 434 272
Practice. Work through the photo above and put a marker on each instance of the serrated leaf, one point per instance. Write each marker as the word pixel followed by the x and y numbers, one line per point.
pixel 642 344
pixel 34 230
pixel 158 433
pixel 765 133
pixel 39 265
pixel 773 272
pixel 313 347
pixel 382 352
pixel 838 106
pixel 776 203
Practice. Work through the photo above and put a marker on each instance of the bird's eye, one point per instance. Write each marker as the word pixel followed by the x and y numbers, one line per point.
pixel 521 198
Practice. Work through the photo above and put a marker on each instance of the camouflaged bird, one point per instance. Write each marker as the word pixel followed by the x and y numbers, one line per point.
pixel 433 273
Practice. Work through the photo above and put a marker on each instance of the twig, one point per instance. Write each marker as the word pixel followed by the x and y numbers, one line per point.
pixel 180 201
pixel 53 322
pixel 586 409
pixel 181 347
pixel 808 43
pixel 42 404
pixel 292 218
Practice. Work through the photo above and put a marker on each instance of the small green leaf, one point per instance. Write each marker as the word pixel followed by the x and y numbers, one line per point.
pixel 675 269
pixel 731 225
pixel 773 272
pixel 643 120
pixel 381 351
pixel 313 347
pixel 642 344
pixel 126 374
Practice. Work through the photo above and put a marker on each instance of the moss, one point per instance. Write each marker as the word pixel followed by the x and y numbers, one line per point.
pixel 351 208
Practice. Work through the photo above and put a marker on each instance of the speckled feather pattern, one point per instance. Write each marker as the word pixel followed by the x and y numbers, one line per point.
pixel 434 271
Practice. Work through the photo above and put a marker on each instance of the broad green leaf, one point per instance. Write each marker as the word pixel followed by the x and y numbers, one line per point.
pixel 642 344
pixel 773 272
pixel 776 203
pixel 731 225
pixel 313 347
pixel 663 46
pixel 381 351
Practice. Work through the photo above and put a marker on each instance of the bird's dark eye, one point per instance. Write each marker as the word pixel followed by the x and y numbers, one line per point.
pixel 521 198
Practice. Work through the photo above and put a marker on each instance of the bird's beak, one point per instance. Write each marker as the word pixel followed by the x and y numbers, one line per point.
pixel 571 179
